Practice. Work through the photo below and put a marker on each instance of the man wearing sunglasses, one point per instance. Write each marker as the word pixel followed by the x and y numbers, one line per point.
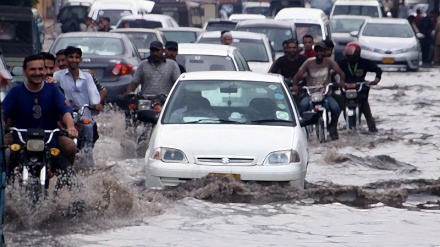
pixel 156 75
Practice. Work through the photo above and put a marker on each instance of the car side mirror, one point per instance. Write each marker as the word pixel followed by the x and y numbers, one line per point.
pixel 17 71
pixel 354 33
pixel 309 118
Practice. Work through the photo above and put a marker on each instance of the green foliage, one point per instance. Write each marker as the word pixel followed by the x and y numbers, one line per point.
pixel 28 3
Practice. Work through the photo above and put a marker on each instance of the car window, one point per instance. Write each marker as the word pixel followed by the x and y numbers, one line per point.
pixel 220 26
pixel 239 62
pixel 243 102
pixel 243 61
pixel 252 50
pixel 92 45
pixel 142 40
pixel 73 12
pixel 140 23
pixel 114 14
pixel 194 62
pixel 388 30
pixel 372 11
pixel 275 35
pixel 346 25
pixel 311 29
pixel 181 36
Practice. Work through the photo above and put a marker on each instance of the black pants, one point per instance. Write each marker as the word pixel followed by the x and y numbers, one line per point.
pixel 95 133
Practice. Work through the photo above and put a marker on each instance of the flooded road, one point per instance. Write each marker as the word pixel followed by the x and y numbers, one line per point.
pixel 362 190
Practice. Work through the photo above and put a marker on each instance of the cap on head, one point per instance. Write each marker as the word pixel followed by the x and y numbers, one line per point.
pixel 319 45
pixel 156 45
pixel 172 45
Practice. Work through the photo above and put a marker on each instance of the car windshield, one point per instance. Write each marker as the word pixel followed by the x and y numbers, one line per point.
pixel 388 30
pixel 181 36
pixel 229 102
pixel 307 28
pixel 142 40
pixel 195 62
pixel 252 50
pixel 104 46
pixel 220 26
pixel 356 10
pixel 346 25
pixel 275 35
pixel 258 10
pixel 139 24
pixel 114 14
pixel 73 12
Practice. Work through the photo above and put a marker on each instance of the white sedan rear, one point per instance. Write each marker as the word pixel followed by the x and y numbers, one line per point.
pixel 243 124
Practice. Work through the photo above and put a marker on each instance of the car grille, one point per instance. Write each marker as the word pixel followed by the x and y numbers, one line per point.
pixel 226 161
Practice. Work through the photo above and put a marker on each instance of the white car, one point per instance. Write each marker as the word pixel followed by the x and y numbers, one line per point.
pixel 147 21
pixel 244 124
pixel 209 57
pixel 242 17
pixel 142 38
pixel 256 47
pixel 389 42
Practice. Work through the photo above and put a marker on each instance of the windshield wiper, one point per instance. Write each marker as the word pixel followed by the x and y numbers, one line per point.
pixel 270 120
pixel 213 120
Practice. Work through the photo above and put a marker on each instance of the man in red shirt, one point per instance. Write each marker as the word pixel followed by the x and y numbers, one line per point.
pixel 308 45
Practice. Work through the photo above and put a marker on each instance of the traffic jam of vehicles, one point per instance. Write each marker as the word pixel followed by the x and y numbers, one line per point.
pixel 215 87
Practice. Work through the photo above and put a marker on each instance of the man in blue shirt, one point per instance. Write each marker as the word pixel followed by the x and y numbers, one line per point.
pixel 36 104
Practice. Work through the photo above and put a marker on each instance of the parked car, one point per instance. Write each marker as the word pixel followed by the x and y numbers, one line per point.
pixel 219 25
pixel 241 124
pixel 40 24
pixel 341 27
pixel 256 47
pixel 389 42
pixel 112 57
pixel 276 30
pixel 181 34
pixel 147 21
pixel 209 57
pixel 6 79
pixel 142 38
pixel 70 17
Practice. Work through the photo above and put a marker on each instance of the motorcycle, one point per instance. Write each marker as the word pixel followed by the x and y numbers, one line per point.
pixel 85 141
pixel 317 99
pixel 32 160
pixel 352 113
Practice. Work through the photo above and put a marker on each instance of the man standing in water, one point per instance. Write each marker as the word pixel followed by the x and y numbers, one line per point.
pixel 318 74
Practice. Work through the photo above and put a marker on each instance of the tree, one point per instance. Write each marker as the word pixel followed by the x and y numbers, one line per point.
pixel 28 3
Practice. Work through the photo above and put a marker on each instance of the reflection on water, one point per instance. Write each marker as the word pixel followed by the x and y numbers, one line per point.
pixel 389 175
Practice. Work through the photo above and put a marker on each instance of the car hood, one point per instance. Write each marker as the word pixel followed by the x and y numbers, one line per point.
pixel 214 139
pixel 260 67
pixel 387 43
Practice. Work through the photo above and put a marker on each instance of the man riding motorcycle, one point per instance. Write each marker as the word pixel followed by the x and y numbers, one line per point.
pixel 36 104
pixel 355 69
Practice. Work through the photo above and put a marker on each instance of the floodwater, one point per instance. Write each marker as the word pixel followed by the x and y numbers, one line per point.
pixel 362 190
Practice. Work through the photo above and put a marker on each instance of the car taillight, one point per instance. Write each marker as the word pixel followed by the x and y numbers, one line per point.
pixel 121 69
pixel 3 81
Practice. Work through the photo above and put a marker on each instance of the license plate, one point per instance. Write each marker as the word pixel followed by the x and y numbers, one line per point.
pixel 388 60
pixel 236 176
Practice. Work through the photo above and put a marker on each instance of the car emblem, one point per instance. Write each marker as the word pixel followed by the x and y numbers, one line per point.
pixel 86 60
pixel 225 161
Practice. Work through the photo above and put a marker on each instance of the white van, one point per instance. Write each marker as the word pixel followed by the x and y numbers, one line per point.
pixel 307 21
pixel 356 7
pixel 115 9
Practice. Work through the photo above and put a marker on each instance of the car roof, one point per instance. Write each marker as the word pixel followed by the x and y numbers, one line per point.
pixel 300 13
pixel 134 30
pixel 206 49
pixel 387 20
pixel 219 20
pixel 189 29
pixel 148 17
pixel 351 17
pixel 235 35
pixel 232 75
pixel 265 22
pixel 255 4
pixel 246 17
pixel 357 2
pixel 91 34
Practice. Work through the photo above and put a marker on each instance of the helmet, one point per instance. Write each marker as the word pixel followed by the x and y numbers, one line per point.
pixel 353 51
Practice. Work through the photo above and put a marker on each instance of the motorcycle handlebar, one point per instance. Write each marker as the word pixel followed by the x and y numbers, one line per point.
pixel 327 88
pixel 51 132
pixel 360 84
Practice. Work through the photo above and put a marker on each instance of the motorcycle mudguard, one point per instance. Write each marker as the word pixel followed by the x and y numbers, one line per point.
pixel 309 118
pixel 148 116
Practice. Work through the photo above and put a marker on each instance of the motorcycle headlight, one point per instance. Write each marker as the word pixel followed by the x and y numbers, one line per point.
pixel 317 97
pixel 144 104
pixel 282 158
pixel 170 155
pixel 351 94
pixel 35 145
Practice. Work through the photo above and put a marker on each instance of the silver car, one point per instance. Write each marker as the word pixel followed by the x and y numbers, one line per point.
pixel 389 42
pixel 341 27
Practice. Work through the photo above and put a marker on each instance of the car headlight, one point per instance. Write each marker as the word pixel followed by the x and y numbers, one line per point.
pixel 282 158
pixel 413 48
pixel 170 155
pixel 35 145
